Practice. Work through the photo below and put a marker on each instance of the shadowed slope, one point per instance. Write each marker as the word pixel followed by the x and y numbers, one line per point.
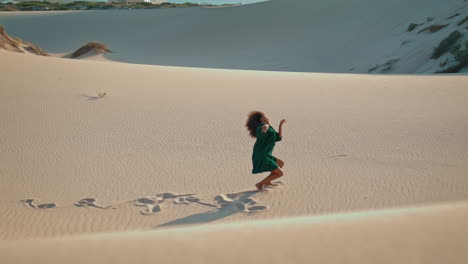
pixel 346 36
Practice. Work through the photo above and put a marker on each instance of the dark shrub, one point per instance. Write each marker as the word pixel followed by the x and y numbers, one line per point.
pixel 462 59
pixel 446 44
pixel 412 26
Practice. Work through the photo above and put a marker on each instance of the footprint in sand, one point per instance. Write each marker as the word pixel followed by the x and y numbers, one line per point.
pixel 150 204
pixel 167 196
pixel 235 202
pixel 186 200
pixel 33 204
pixel 91 202
pixel 193 200
pixel 239 202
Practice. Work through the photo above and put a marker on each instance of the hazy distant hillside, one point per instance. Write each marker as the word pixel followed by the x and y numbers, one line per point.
pixel 355 36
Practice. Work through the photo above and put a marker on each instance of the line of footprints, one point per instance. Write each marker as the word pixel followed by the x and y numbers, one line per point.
pixel 236 202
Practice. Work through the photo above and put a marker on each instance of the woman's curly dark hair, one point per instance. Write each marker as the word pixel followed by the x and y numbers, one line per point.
pixel 253 120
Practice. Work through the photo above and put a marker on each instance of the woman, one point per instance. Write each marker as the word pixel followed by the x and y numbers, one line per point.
pixel 259 127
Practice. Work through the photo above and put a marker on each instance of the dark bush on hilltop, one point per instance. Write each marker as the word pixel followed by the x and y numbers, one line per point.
pixel 8 8
pixel 455 49
pixel 446 44
pixel 172 5
pixel 34 5
pixel 27 4
pixel 460 54
pixel 462 58
pixel 143 5
pixel 88 5
pixel 412 27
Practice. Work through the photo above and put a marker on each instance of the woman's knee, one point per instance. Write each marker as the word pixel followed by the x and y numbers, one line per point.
pixel 280 163
pixel 278 172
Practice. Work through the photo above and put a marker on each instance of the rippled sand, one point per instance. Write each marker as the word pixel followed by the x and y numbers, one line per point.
pixel 105 162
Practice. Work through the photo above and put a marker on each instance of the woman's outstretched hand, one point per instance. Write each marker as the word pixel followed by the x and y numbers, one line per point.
pixel 282 122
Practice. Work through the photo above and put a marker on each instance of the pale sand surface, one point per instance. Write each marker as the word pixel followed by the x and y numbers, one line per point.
pixel 434 234
pixel 351 142
pixel 158 170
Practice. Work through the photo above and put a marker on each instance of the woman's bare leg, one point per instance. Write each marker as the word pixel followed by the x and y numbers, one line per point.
pixel 275 174
pixel 281 165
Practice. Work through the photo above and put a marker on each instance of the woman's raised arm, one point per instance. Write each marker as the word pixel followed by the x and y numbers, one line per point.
pixel 280 130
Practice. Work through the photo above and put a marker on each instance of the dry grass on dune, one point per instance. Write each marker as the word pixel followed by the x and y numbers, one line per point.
pixel 10 43
pixel 17 45
pixel 433 28
pixel 91 46
pixel 462 21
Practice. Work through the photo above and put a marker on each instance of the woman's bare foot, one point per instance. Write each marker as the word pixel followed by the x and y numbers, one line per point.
pixel 259 187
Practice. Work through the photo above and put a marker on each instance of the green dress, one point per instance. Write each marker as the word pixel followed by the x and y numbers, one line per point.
pixel 262 158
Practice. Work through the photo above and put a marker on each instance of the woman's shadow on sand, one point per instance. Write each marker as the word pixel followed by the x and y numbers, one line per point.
pixel 226 205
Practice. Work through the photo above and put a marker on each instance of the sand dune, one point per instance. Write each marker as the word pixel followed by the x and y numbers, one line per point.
pixel 104 162
pixel 281 35
pixel 353 142
pixel 432 234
